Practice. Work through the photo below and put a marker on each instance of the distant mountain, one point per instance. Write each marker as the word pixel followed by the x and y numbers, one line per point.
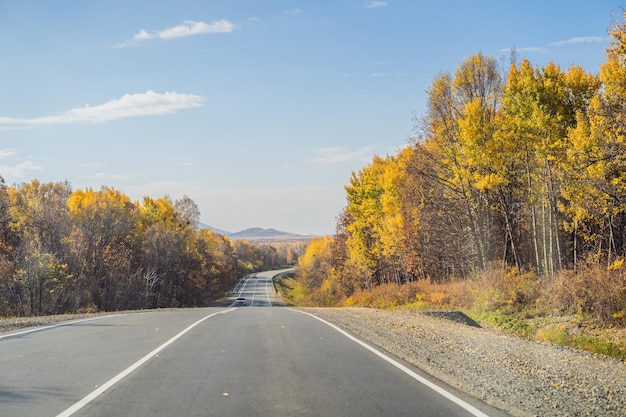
pixel 260 234
pixel 256 234
pixel 214 229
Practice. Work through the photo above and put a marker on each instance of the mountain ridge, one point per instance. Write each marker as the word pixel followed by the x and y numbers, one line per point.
pixel 256 233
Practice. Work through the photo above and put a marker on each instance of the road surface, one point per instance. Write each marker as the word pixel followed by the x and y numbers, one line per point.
pixel 245 361
pixel 258 290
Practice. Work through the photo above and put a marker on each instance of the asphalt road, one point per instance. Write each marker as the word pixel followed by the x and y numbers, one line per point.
pixel 258 290
pixel 220 361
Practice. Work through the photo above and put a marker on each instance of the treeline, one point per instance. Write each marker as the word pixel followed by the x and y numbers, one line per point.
pixel 525 167
pixel 65 250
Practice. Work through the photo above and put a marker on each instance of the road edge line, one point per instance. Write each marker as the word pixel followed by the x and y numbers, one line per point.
pixel 441 391
pixel 52 326
pixel 111 382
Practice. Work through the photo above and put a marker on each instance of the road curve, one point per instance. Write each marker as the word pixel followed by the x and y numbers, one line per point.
pixel 258 289
pixel 210 362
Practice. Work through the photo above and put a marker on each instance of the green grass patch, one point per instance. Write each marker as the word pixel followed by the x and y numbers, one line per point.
pixel 555 330
pixel 597 345
pixel 560 335
pixel 514 324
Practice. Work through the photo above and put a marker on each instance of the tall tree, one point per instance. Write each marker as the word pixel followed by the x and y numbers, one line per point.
pixel 364 196
pixel 459 125
pixel 595 203
pixel 4 212
pixel 102 243
pixel 38 218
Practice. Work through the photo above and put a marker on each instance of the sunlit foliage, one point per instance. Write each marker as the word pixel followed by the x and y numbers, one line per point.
pixel 64 250
pixel 523 167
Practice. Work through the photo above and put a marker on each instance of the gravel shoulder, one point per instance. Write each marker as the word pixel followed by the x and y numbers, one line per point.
pixel 519 376
pixel 16 323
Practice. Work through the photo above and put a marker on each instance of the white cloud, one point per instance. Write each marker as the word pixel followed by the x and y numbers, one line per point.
pixel 14 172
pixel 375 4
pixel 571 41
pixel 191 28
pixel 5 153
pixel 338 154
pixel 294 11
pixel 142 36
pixel 187 28
pixel 577 40
pixel 11 173
pixel 129 105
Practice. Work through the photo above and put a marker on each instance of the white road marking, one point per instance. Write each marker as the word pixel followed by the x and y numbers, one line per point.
pixel 52 326
pixel 94 394
pixel 466 406
pixel 245 284
pixel 242 286
pixel 267 291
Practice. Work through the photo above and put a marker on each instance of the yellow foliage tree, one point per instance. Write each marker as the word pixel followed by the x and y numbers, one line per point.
pixel 101 241
pixel 315 262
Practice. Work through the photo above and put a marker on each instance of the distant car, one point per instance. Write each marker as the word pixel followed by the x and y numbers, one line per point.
pixel 240 302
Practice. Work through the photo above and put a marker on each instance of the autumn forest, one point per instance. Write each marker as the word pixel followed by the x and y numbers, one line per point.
pixel 511 195
pixel 66 251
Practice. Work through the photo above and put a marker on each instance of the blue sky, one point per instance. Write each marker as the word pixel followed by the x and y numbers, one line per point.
pixel 257 110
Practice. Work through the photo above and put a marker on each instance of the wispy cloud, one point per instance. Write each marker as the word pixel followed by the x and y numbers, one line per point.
pixel 106 176
pixel 577 40
pixel 536 49
pixel 5 153
pixel 386 74
pixel 338 154
pixel 19 168
pixel 293 11
pixel 375 4
pixel 129 105
pixel 11 173
pixel 567 42
pixel 187 28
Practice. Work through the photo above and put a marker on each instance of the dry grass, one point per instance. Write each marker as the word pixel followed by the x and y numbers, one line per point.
pixel 585 309
pixel 592 291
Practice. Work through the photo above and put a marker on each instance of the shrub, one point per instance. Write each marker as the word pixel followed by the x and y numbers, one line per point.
pixel 592 290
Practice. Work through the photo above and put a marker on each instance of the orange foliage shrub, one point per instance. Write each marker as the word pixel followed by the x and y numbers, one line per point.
pixel 592 290
pixel 502 287
pixel 422 294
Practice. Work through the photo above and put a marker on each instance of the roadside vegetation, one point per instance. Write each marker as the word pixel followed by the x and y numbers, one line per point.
pixel 83 251
pixel 509 204
pixel 583 310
